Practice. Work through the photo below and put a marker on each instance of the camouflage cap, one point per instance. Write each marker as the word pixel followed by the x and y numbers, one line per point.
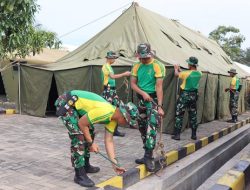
pixel 232 71
pixel 111 55
pixel 192 61
pixel 130 112
pixel 144 50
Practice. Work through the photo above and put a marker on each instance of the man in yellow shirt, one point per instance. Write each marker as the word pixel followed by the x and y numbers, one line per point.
pixel 109 85
pixel 146 80
pixel 234 89
pixel 188 97
pixel 79 111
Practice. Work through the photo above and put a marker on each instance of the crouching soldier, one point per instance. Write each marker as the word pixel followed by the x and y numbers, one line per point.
pixel 79 111
pixel 234 89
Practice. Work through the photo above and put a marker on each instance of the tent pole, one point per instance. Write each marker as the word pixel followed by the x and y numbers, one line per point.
pixel 135 36
pixel 135 28
pixel 19 88
pixel 91 73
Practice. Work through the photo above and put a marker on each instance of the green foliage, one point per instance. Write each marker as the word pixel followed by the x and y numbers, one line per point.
pixel 18 36
pixel 245 57
pixel 41 38
pixel 229 39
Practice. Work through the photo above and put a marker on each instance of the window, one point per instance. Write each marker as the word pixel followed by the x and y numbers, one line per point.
pixel 192 45
pixel 227 60
pixel 171 39
pixel 207 50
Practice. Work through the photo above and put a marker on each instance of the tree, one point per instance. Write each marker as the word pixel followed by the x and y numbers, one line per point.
pixel 18 35
pixel 247 55
pixel 229 39
pixel 245 59
pixel 41 38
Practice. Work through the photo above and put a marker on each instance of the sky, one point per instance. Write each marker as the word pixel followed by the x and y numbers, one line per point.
pixel 64 16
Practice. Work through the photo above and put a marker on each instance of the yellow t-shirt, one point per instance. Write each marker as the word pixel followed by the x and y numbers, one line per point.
pixel 235 83
pixel 147 74
pixel 106 71
pixel 190 80
pixel 96 108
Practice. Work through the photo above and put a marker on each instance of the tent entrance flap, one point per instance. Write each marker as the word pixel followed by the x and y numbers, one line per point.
pixel 2 89
pixel 53 95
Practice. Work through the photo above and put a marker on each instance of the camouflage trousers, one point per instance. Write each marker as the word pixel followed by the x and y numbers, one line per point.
pixel 111 96
pixel 79 150
pixel 186 100
pixel 149 120
pixel 233 103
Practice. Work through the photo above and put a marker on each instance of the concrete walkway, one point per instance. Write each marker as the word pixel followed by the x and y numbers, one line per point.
pixel 34 152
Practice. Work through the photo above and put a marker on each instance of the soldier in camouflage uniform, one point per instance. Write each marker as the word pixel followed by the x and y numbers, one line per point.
pixel 234 95
pixel 188 97
pixel 79 111
pixel 146 80
pixel 109 87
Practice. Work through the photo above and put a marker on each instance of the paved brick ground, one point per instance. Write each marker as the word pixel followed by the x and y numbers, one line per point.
pixel 34 152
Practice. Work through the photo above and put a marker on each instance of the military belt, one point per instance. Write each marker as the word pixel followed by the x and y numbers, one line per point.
pixel 70 101
pixel 189 91
pixel 109 87
pixel 152 95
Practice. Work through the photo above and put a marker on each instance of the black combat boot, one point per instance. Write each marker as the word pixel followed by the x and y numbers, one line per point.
pixel 176 134
pixel 194 137
pixel 141 160
pixel 233 120
pixel 118 133
pixel 82 179
pixel 90 169
pixel 149 160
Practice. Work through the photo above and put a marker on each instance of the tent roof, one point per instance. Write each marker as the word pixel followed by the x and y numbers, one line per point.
pixel 121 61
pixel 172 41
pixel 46 56
pixel 244 67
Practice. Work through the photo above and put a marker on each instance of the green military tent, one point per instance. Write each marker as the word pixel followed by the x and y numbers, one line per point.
pixel 9 70
pixel 173 44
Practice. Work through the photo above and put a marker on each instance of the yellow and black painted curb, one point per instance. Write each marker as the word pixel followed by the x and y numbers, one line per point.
pixel 237 178
pixel 134 175
pixel 8 111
